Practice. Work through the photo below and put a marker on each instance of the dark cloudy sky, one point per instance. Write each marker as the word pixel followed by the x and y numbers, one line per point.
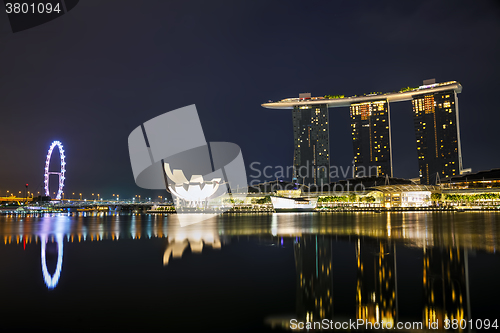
pixel 91 76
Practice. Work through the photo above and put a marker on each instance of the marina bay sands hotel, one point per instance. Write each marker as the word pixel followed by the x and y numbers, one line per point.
pixel 437 132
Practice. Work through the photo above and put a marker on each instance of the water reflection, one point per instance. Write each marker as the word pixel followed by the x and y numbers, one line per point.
pixel 313 261
pixel 180 238
pixel 442 240
pixel 376 288
pixel 465 230
pixel 446 285
pixel 52 280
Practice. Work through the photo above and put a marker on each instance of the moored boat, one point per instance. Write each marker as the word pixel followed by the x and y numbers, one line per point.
pixel 281 204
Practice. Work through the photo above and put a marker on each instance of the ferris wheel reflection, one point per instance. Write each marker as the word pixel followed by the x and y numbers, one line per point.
pixel 51 280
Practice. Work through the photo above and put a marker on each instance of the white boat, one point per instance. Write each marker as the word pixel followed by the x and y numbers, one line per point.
pixel 282 204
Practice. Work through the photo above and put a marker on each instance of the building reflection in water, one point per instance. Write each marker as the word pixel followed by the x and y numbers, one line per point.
pixel 443 241
pixel 376 287
pixel 446 285
pixel 179 238
pixel 313 261
pixel 52 241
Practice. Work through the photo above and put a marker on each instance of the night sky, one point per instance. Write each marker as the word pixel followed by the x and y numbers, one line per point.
pixel 93 75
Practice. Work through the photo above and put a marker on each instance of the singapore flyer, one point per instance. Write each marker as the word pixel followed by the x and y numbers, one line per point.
pixel 60 173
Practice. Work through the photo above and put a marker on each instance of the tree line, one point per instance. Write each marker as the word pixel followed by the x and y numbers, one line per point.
pixel 347 198
pixel 466 197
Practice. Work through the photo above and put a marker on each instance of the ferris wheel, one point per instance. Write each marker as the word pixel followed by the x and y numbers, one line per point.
pixel 60 173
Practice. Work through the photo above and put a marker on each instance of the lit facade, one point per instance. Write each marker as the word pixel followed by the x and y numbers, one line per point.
pixel 311 145
pixel 407 199
pixel 371 138
pixel 438 135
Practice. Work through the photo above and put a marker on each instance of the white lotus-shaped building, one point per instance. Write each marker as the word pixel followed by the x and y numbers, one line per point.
pixel 196 190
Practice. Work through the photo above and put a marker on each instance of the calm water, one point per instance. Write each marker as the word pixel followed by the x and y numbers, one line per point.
pixel 140 273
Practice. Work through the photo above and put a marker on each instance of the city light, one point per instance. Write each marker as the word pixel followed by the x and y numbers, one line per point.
pixel 61 173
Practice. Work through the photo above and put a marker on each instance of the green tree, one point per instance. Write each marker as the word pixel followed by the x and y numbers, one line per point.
pixel 370 199
pixel 262 201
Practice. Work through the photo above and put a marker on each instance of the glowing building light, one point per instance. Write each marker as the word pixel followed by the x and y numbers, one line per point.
pixel 52 280
pixel 61 173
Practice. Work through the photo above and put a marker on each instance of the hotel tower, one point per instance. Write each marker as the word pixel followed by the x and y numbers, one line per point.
pixel 311 154
pixel 435 116
pixel 371 138
pixel 437 132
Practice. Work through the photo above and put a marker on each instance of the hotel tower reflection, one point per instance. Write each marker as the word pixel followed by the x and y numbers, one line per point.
pixel 313 261
pixel 443 241
pixel 376 287
pixel 446 285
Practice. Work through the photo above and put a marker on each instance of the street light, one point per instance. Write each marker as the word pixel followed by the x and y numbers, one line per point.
pixel 80 196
